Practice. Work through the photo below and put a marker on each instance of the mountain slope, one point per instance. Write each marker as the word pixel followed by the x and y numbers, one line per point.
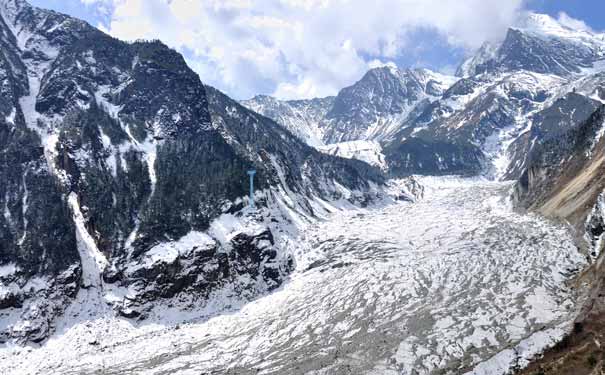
pixel 303 118
pixel 371 109
pixel 479 124
pixel 565 180
pixel 125 177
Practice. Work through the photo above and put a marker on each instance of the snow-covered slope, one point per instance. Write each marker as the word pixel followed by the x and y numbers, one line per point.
pixel 541 44
pixel 488 120
pixel 124 179
pixel 124 192
pixel 374 107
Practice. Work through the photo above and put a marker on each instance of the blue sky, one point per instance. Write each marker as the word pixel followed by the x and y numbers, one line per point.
pixel 310 48
pixel 590 11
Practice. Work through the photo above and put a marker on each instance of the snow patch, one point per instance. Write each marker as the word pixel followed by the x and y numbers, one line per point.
pixel 11 117
pixel 367 151
pixel 93 260
pixel 169 252
pixel 8 269
pixel 112 109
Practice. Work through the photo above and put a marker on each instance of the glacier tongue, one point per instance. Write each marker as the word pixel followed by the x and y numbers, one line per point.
pixel 445 283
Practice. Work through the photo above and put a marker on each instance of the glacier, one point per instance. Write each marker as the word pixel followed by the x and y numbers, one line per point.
pixel 455 281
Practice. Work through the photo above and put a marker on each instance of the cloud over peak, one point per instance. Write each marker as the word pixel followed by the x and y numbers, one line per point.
pixel 302 48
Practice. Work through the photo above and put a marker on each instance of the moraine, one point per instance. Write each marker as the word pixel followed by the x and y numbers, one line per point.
pixel 453 282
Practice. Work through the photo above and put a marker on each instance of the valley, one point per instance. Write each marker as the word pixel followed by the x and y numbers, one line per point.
pixel 452 281
pixel 415 222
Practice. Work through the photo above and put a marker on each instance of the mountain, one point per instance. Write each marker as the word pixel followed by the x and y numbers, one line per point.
pixel 530 108
pixel 483 122
pixel 124 185
pixel 367 151
pixel 539 44
pixel 302 118
pixel 124 179
pixel 370 109
pixel 509 93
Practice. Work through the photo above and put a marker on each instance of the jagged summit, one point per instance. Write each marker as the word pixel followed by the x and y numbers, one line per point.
pixel 370 109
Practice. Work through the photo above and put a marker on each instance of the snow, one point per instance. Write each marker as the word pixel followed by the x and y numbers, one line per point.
pixel 28 102
pixel 37 67
pixel 150 149
pixel 100 96
pixel 112 159
pixel 522 353
pixel 400 287
pixel 11 117
pixel 7 213
pixel 168 252
pixel 224 228
pixel 50 154
pixel 8 269
pixel 597 67
pixel 24 207
pixel 367 151
pixel 380 290
pixel 496 146
pixel 597 212
pixel 89 58
pixel 544 25
pixel 57 26
pixel 299 118
pixel 485 53
pixel 597 139
pixel 93 260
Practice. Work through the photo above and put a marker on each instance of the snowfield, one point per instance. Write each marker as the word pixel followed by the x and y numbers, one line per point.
pixel 456 282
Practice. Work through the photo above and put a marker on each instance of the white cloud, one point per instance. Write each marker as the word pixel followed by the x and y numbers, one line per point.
pixel 301 48
pixel 565 20
pixel 376 63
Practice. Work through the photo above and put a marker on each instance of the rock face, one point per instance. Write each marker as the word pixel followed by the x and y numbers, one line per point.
pixel 564 176
pixel 372 108
pixel 563 115
pixel 303 118
pixel 116 161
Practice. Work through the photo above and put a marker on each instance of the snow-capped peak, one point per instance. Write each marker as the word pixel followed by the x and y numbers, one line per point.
pixel 427 75
pixel 422 76
pixel 545 25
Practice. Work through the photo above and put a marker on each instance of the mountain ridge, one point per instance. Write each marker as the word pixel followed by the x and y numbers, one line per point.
pixel 125 179
pixel 477 122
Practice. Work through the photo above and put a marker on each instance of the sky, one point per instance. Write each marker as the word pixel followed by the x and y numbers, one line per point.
pixel 296 49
